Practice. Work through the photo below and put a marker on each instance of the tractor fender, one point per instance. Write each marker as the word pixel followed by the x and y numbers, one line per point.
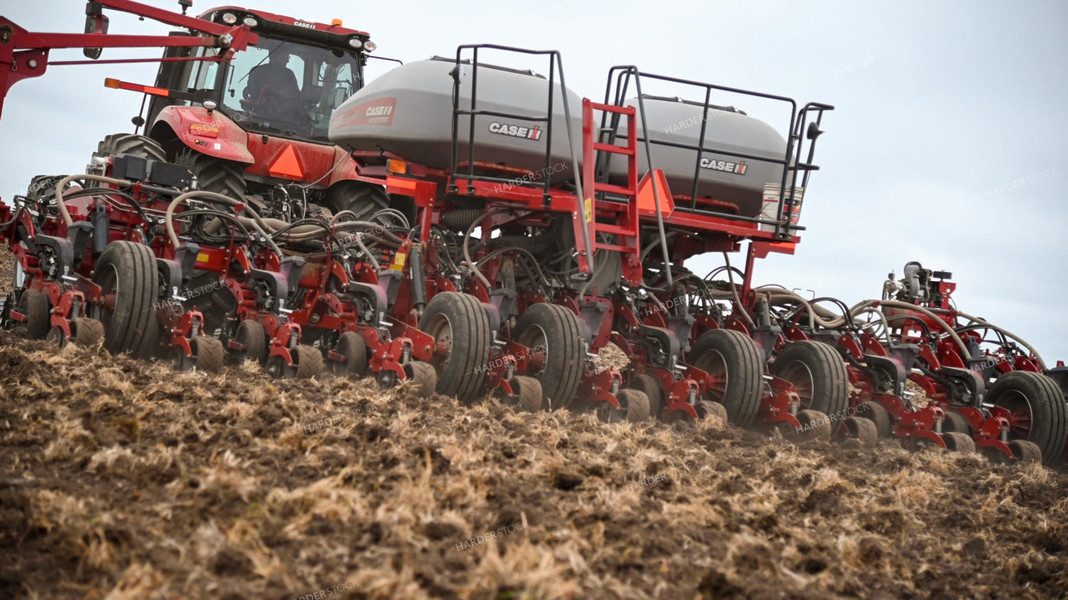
pixel 213 134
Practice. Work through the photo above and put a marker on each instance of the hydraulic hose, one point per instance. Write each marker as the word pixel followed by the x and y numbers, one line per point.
pixel 1009 334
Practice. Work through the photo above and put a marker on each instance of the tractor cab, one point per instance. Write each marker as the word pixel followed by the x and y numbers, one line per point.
pixel 287 84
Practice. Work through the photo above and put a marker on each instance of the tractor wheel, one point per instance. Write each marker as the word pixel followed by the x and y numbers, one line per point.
pixel 819 374
pixel 1037 410
pixel 554 331
pixel 129 282
pixel 877 413
pixel 352 346
pixel 651 387
pixel 959 442
pixel 461 331
pixel 815 426
pixel 361 198
pixel 707 409
pixel 529 395
pixel 33 304
pixel 214 174
pixel 86 332
pixel 423 378
pixel 956 422
pixel 252 336
pixel 130 144
pixel 735 359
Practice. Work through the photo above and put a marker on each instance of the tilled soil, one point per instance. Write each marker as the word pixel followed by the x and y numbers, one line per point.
pixel 122 479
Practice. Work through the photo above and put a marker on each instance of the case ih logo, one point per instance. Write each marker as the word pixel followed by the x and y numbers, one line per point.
pixel 375 112
pixel 527 133
pixel 723 165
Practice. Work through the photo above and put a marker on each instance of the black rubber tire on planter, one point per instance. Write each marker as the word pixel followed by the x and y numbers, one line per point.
pixel 726 351
pixel 815 427
pixel 86 332
pixel 128 270
pixel 250 334
pixel 33 304
pixel 363 199
pixel 1039 395
pixel 651 387
pixel 555 329
pixel 956 422
pixel 820 374
pixel 1025 452
pixel 422 377
pixel 460 321
pixel 352 346
pixel 208 353
pixel 877 413
pixel 706 408
pixel 224 177
pixel 959 442
pixel 856 428
pixel 130 144
pixel 529 396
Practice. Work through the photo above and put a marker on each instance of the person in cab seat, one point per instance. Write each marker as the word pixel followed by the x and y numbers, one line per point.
pixel 272 91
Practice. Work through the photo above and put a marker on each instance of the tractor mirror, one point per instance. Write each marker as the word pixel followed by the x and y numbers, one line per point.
pixel 91 26
pixel 814 130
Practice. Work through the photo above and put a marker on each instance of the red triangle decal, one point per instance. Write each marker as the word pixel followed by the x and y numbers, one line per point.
pixel 287 165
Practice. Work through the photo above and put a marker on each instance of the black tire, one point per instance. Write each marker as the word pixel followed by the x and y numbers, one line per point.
pixel 309 362
pixel 208 354
pixel 877 413
pixel 818 372
pixel 730 353
pixel 128 270
pixel 363 199
pixel 86 332
pixel 1025 452
pixel 461 323
pixel 959 442
pixel 253 337
pixel 556 330
pixel 1039 407
pixel 528 395
pixel 422 377
pixel 130 144
pixel 857 428
pixel 33 304
pixel 957 423
pixel 214 174
pixel 706 408
pixel 352 346
pixel 651 388
pixel 815 426
pixel 635 405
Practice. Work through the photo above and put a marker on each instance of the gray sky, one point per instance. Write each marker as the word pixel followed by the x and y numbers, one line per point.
pixel 947 145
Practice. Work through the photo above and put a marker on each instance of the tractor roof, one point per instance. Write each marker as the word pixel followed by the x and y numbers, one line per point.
pixel 270 21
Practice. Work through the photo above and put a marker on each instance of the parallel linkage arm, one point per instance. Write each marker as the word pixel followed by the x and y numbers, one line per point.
pixel 24 54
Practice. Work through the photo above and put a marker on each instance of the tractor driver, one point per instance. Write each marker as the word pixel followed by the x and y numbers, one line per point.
pixel 272 89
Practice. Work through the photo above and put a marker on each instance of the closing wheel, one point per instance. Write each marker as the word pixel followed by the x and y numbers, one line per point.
pixel 1025 452
pixel 553 331
pixel 634 408
pixel 460 327
pixel 956 422
pixel 819 374
pixel 86 332
pixel 423 378
pixel 307 363
pixel 959 442
pixel 815 426
pixel 528 393
pixel 651 387
pixel 877 414
pixel 251 335
pixel 352 346
pixel 706 408
pixel 208 354
pixel 129 282
pixel 34 305
pixel 735 361
pixel 1038 411
pixel 856 428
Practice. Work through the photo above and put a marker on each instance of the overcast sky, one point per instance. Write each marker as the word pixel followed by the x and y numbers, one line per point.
pixel 947 145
